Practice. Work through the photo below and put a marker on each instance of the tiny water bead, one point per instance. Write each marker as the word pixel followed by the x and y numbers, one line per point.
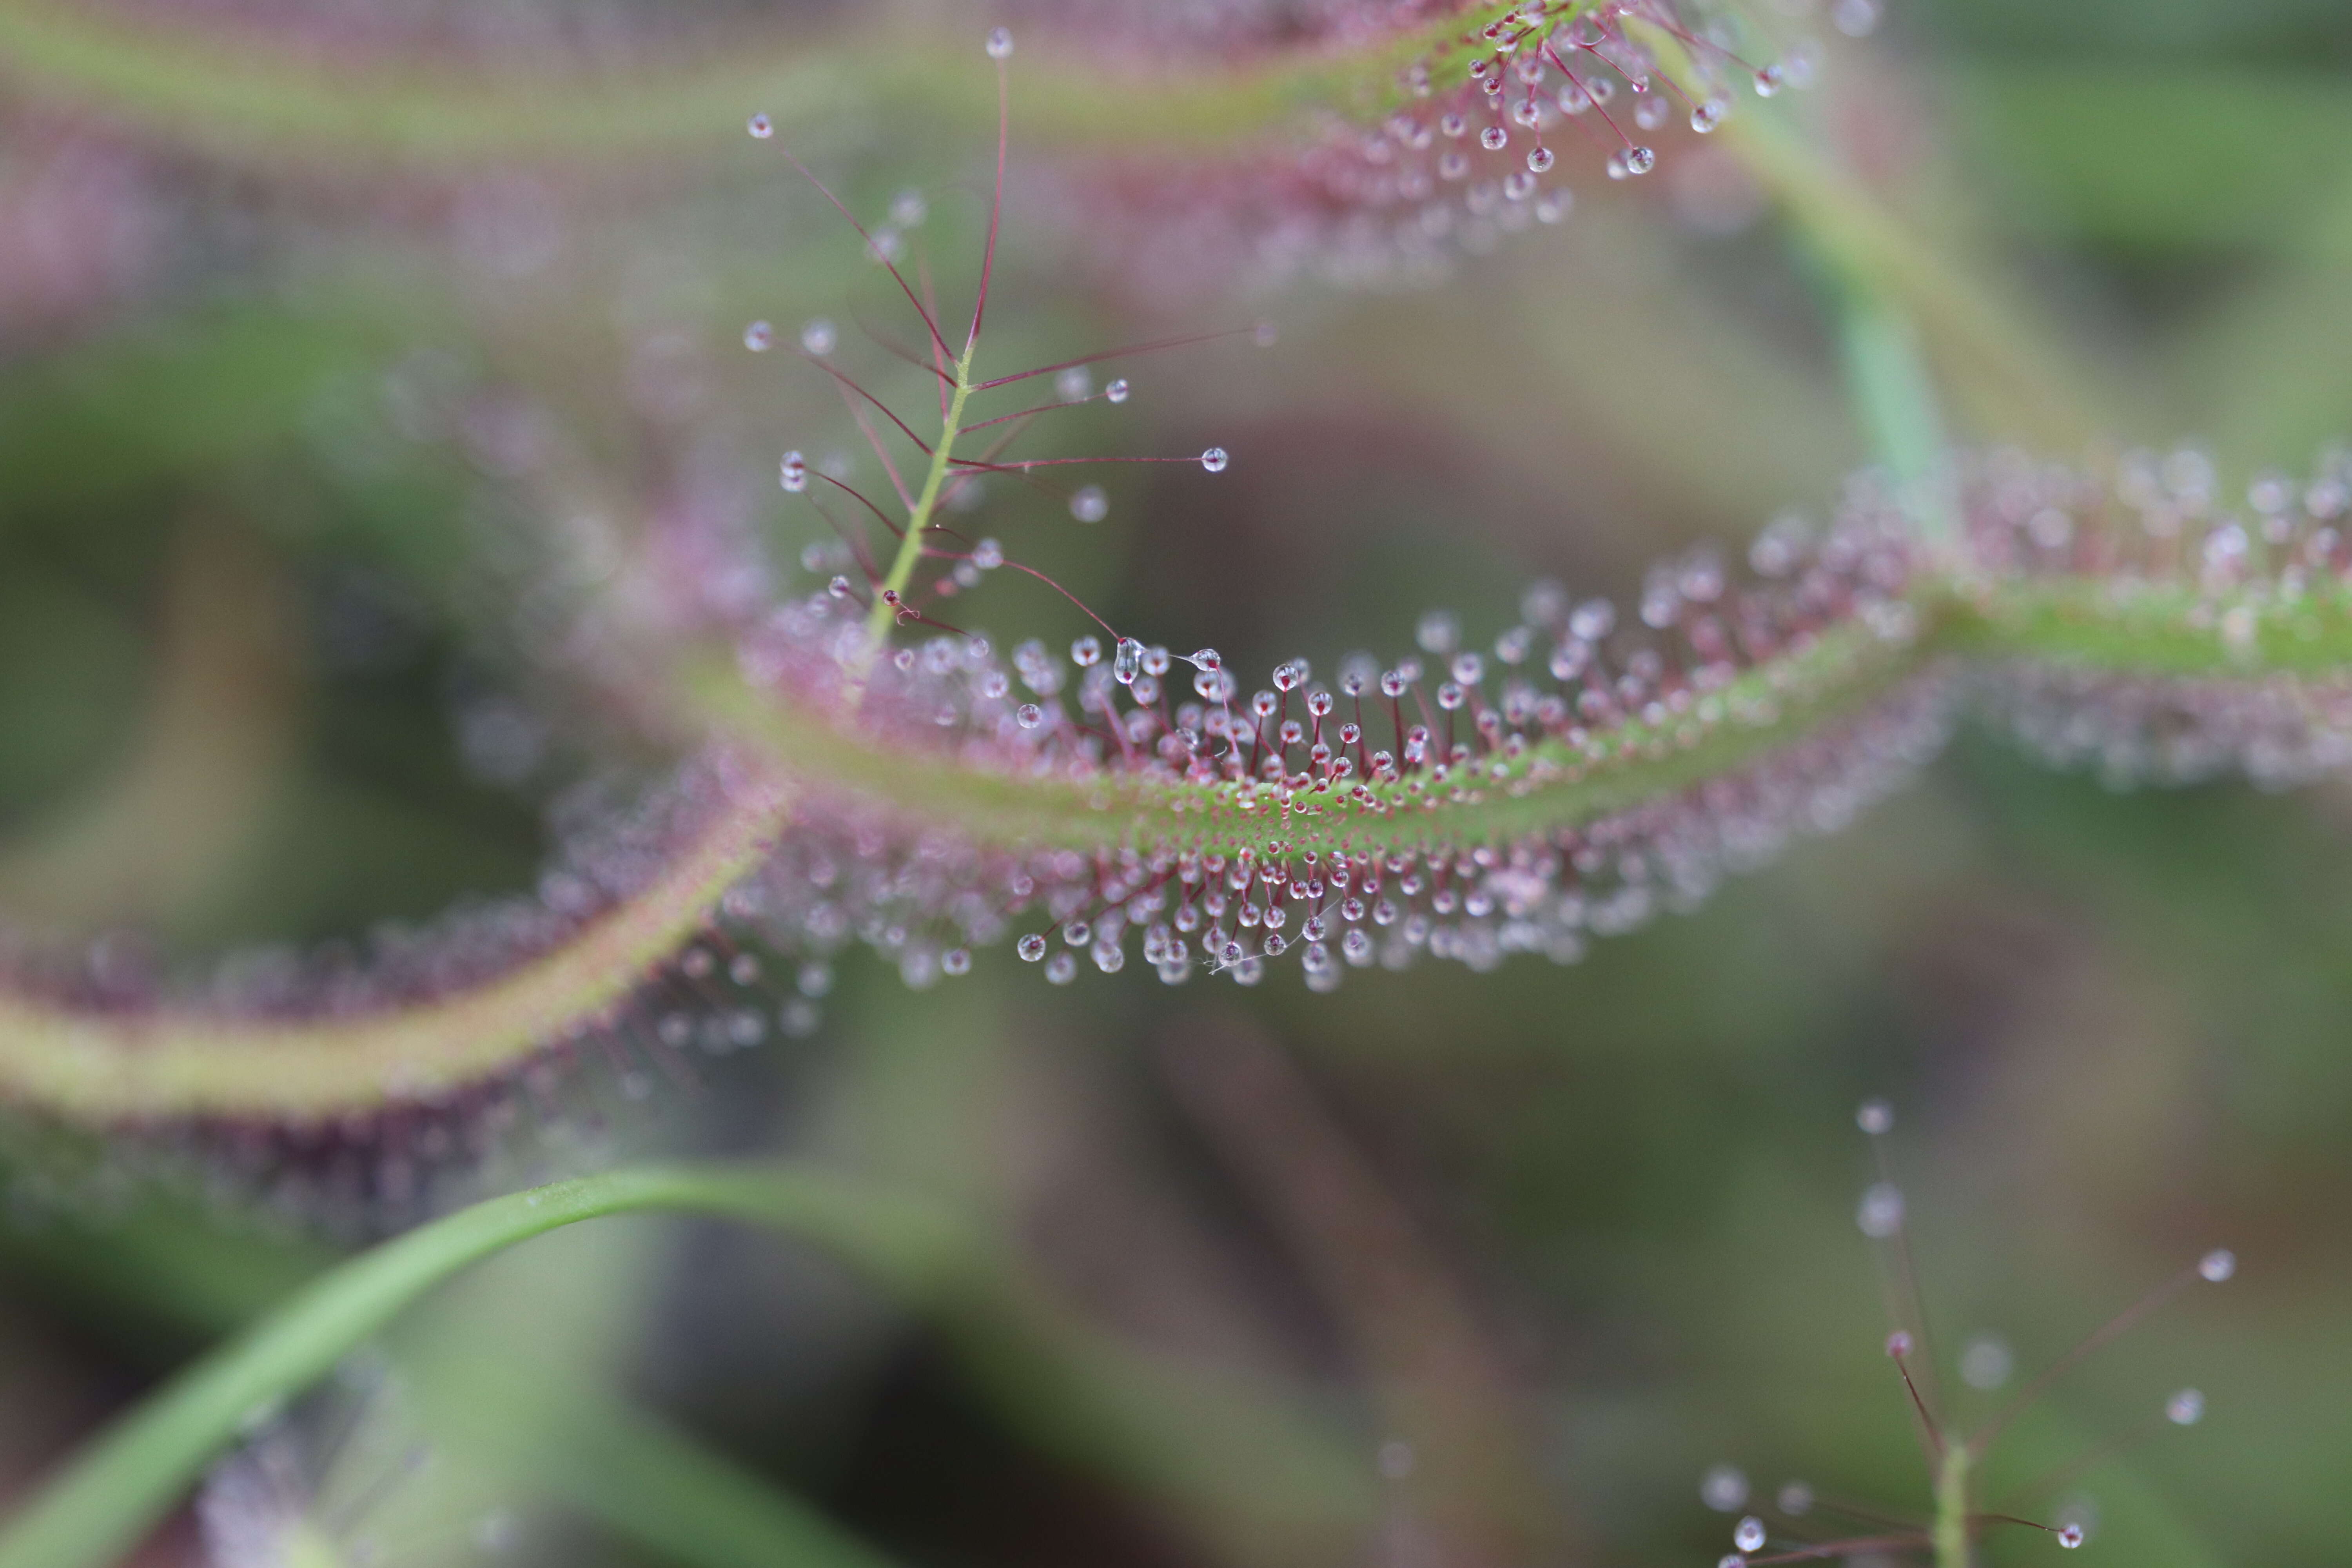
pixel 1707 116
pixel 1898 1344
pixel 1032 948
pixel 1732 1560
pixel 1639 160
pixel 2185 1408
pixel 1075 384
pixel 908 209
pixel 1540 160
pixel 1875 1117
pixel 1087 651
pixel 761 127
pixel 1116 392
pixel 759 337
pixel 1856 18
pixel 1029 715
pixel 819 337
pixel 1986 1361
pixel 1724 1488
pixel 1795 1500
pixel 1215 460
pixel 1770 80
pixel 2218 1265
pixel 1493 138
pixel 1088 503
pixel 1000 44
pixel 1127 661
pixel 1880 1213
pixel 2070 1536
pixel 1749 1534
pixel 793 472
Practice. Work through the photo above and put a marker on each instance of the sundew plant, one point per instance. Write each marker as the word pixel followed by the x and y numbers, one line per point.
pixel 1216 734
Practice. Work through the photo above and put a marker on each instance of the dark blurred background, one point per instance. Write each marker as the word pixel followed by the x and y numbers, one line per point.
pixel 300 444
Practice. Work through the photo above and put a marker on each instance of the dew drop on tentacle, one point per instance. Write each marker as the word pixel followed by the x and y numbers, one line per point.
pixel 1493 138
pixel 793 472
pixel 1116 392
pixel 2218 1265
pixel 2185 1408
pixel 1075 384
pixel 1087 651
pixel 819 337
pixel 1724 1488
pixel 1880 1213
pixel 761 127
pixel 1127 661
pixel 1089 503
pixel 1215 460
pixel 1749 1534
pixel 1000 43
pixel 759 337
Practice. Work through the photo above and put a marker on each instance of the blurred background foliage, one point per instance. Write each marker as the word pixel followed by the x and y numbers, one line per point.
pixel 299 439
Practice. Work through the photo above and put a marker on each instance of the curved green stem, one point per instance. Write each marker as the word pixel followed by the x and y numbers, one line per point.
pixel 1092 1405
pixel 101 1069
pixel 90 1067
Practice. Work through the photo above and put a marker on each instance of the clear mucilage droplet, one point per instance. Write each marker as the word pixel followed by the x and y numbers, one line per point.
pixel 1215 460
pixel 793 472
pixel 759 336
pixel 819 337
pixel 1127 661
pixel 1000 44
pixel 1089 504
pixel 1116 392
pixel 761 127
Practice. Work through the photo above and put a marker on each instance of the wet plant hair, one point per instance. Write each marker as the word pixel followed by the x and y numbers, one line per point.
pixel 1808 1526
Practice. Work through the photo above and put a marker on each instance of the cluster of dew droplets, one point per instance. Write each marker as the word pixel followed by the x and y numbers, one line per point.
pixel 1490 116
pixel 2270 571
pixel 1313 817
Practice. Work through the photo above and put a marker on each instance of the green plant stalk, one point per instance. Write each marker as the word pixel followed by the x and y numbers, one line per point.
pixel 1196 1448
pixel 1951 1535
pixel 1896 398
pixel 880 618
pixel 130 1476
